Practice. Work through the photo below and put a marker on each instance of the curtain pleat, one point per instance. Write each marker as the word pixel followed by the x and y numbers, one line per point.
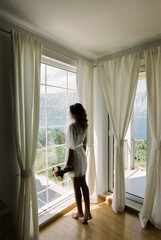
pixel 85 90
pixel 152 200
pixel 26 92
pixel 119 78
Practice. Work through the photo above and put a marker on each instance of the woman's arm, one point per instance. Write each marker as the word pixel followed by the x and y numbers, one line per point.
pixel 69 161
pixel 85 143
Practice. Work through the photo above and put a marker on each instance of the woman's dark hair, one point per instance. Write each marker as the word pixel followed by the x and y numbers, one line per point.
pixel 79 114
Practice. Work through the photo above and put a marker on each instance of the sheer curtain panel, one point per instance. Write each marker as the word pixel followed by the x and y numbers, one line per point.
pixel 85 89
pixel 26 91
pixel 119 81
pixel 152 200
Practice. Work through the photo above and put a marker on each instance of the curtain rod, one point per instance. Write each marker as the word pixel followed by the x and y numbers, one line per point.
pixel 5 31
pixel 60 53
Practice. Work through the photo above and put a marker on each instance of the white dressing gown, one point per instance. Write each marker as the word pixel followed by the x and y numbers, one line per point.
pixel 76 138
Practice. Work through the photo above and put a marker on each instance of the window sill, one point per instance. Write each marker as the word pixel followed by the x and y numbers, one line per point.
pixel 137 207
pixel 56 212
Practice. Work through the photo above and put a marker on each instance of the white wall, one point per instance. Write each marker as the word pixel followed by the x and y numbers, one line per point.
pixel 8 162
pixel 100 135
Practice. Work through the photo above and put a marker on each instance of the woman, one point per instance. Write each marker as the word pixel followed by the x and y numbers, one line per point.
pixel 76 163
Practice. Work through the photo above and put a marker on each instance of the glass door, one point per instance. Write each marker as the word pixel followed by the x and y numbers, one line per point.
pixel 136 145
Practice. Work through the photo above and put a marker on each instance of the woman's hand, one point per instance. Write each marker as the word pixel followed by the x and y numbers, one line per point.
pixel 66 169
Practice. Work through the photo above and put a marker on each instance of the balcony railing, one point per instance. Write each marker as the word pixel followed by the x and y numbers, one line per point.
pixel 140 153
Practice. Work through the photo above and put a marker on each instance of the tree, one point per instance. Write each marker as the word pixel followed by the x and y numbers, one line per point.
pixel 56 155
pixel 140 153
pixel 42 139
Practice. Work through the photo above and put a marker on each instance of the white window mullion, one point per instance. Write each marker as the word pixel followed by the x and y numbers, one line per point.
pixel 67 106
pixel 46 133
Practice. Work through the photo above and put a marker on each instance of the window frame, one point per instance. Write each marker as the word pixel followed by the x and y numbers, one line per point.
pixel 69 68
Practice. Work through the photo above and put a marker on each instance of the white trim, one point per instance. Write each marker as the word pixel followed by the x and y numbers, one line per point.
pixel 59 64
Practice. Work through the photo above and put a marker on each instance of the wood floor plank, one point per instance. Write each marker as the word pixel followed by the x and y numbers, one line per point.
pixel 105 225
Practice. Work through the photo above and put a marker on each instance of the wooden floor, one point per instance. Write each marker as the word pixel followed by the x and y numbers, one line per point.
pixel 105 225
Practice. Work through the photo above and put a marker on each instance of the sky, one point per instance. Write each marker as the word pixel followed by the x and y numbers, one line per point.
pixel 141 85
pixel 57 77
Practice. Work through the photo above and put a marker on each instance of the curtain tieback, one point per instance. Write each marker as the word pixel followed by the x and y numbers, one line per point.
pixel 119 143
pixel 78 146
pixel 156 145
pixel 27 173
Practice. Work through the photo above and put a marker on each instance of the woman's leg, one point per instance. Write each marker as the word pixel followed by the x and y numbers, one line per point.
pixel 78 197
pixel 85 190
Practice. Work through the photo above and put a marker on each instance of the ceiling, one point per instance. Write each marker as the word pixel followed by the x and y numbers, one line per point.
pixel 92 28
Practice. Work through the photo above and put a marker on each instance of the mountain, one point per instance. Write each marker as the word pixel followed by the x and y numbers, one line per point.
pixel 140 105
pixel 57 108
pixel 60 100
pixel 140 115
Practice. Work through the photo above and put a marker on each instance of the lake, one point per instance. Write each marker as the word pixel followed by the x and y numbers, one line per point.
pixel 140 128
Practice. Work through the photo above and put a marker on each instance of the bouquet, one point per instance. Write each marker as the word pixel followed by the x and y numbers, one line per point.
pixel 58 172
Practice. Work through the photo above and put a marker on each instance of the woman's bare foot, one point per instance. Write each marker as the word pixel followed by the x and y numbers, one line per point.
pixel 77 215
pixel 85 219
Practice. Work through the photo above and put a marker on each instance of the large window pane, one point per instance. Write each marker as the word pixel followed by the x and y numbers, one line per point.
pixel 42 95
pixel 72 97
pixel 42 199
pixel 56 155
pixel 54 194
pixel 56 77
pixel 56 96
pixel 56 116
pixel 42 74
pixel 41 186
pixel 42 117
pixel 41 142
pixel 40 162
pixel 72 80
pixel 56 136
pixel 41 181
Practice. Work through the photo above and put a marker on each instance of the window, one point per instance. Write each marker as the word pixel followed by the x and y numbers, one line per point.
pixel 135 147
pixel 135 170
pixel 57 92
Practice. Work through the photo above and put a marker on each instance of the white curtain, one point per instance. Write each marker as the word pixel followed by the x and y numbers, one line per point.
pixel 26 90
pixel 152 200
pixel 85 89
pixel 119 81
